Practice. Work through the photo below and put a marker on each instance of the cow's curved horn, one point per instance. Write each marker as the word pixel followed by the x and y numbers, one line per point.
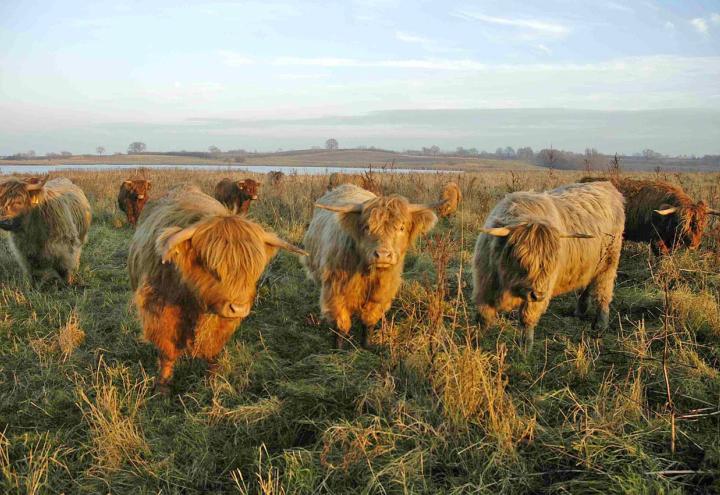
pixel 172 242
pixel 576 235
pixel 351 208
pixel 712 211
pixel 275 241
pixel 496 231
pixel 128 182
pixel 666 211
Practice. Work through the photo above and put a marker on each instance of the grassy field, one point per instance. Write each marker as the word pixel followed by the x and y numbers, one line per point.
pixel 301 158
pixel 635 409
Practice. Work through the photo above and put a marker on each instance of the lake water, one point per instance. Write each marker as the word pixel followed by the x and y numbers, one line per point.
pixel 260 169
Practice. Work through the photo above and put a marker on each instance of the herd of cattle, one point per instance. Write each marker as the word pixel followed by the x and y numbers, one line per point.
pixel 194 260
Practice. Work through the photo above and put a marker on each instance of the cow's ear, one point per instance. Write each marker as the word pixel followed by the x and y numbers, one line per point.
pixel 423 220
pixel 35 183
pixel 173 242
pixel 34 186
pixel 128 182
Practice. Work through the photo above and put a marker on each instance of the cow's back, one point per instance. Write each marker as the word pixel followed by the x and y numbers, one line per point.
pixel 66 210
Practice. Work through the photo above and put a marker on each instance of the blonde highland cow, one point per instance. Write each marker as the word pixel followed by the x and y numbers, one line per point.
pixel 536 246
pixel 357 243
pixel 48 222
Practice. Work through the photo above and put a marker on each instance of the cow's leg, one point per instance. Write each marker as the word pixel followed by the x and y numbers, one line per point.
pixel 371 314
pixel 604 285
pixel 530 314
pixel 583 302
pixel 343 323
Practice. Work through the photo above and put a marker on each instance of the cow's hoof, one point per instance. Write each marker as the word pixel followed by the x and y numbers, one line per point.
pixel 162 389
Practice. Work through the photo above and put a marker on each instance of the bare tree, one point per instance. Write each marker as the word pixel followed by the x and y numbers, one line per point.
pixel 331 144
pixel 214 150
pixel 136 147
pixel 100 150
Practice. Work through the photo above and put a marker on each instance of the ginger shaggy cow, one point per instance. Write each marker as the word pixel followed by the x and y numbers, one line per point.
pixel 48 222
pixel 132 197
pixel 357 243
pixel 536 246
pixel 661 214
pixel 194 266
pixel 450 197
pixel 237 194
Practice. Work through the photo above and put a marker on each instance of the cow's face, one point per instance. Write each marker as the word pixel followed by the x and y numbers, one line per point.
pixel 221 260
pixel 138 188
pixel 529 258
pixel 17 197
pixel 249 188
pixel 686 223
pixel 383 228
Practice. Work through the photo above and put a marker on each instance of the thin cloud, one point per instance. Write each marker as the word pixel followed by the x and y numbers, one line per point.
pixel 544 48
pixel 535 25
pixel 669 26
pixel 715 18
pixel 233 59
pixel 700 25
pixel 411 38
pixel 618 6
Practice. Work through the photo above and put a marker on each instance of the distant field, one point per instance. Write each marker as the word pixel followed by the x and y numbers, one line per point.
pixel 303 158
pixel 632 410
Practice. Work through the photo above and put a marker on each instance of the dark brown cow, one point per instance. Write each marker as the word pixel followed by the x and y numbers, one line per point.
pixel 237 194
pixel 661 214
pixel 132 197
pixel 194 267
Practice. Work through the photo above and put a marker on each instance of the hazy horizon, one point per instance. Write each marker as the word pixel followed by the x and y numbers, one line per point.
pixel 389 73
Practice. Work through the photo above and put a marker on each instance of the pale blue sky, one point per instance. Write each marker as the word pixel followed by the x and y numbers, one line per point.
pixel 77 74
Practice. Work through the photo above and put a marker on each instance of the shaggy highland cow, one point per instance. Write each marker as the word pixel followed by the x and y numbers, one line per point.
pixel 132 198
pixel 276 177
pixel 536 246
pixel 237 194
pixel 357 243
pixel 194 266
pixel 450 197
pixel 661 214
pixel 48 224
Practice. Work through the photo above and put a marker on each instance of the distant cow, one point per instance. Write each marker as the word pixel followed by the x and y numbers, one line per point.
pixel 237 194
pixel 536 246
pixel 276 177
pixel 48 223
pixel 132 197
pixel 661 214
pixel 357 243
pixel 194 266
pixel 451 197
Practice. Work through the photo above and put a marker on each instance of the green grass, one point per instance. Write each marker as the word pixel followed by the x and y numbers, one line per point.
pixel 423 412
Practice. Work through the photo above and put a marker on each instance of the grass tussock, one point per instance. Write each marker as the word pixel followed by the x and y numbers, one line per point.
pixel 111 404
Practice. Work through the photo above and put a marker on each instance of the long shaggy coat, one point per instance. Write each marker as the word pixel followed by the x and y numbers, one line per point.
pixel 48 224
pixel 194 266
pixel 357 243
pixel 133 195
pixel 539 245
pixel 661 214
